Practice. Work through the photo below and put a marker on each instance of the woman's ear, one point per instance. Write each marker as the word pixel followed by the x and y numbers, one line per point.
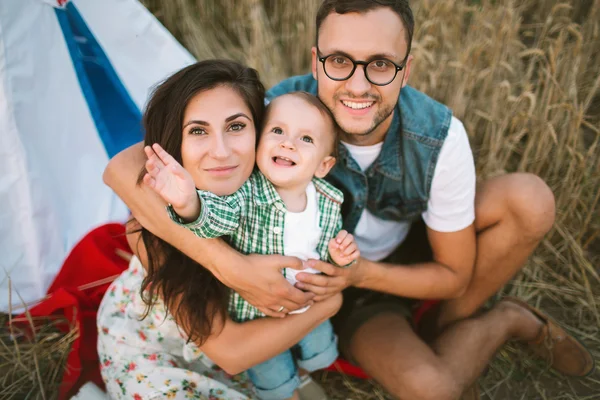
pixel 325 166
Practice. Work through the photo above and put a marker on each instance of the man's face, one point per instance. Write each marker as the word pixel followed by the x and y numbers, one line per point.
pixel 363 110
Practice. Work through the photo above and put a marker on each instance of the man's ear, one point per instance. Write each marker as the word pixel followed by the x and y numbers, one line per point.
pixel 325 166
pixel 313 53
pixel 406 70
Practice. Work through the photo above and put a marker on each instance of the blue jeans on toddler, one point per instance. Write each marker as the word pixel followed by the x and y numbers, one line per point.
pixel 277 378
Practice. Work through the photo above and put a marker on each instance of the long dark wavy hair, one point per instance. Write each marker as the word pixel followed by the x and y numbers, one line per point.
pixel 188 290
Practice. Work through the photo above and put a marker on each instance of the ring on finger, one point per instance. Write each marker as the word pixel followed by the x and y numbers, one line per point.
pixel 281 309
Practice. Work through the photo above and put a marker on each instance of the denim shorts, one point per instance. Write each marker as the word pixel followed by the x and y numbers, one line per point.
pixel 277 378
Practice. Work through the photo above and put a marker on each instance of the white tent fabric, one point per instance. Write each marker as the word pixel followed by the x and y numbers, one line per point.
pixel 53 143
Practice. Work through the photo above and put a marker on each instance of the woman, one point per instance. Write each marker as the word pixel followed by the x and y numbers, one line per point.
pixel 158 344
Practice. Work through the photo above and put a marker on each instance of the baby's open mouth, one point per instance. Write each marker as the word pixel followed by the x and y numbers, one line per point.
pixel 283 161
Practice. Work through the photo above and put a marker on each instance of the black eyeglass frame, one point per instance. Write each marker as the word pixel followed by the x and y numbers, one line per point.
pixel 322 59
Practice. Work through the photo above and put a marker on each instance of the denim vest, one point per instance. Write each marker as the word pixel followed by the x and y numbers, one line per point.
pixel 397 185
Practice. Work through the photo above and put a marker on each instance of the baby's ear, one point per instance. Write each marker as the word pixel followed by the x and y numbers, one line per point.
pixel 325 166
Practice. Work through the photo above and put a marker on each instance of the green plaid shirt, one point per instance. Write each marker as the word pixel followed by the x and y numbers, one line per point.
pixel 253 218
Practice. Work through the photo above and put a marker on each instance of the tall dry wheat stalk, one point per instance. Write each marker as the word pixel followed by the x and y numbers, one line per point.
pixel 523 76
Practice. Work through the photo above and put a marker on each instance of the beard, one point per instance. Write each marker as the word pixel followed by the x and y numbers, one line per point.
pixel 382 114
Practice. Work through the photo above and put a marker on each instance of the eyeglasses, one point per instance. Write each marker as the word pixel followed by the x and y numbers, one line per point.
pixel 380 72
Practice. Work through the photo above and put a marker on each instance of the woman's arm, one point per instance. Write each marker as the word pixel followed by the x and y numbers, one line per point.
pixel 256 278
pixel 235 347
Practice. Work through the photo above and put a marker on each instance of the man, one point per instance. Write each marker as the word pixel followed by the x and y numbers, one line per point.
pixel 404 158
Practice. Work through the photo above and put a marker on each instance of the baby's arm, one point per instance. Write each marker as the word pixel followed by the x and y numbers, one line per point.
pixel 207 215
pixel 343 249
pixel 219 216
pixel 171 182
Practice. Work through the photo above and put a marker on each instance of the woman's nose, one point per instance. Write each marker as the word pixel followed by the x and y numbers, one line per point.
pixel 220 149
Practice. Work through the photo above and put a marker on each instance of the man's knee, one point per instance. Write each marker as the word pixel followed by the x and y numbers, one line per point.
pixel 531 202
pixel 427 382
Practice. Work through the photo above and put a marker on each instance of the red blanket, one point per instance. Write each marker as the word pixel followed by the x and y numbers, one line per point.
pixel 92 260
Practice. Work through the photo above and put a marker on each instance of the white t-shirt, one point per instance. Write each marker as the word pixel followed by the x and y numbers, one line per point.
pixel 301 235
pixel 451 205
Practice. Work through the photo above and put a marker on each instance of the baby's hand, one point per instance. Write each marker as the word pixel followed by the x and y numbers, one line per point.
pixel 171 181
pixel 343 250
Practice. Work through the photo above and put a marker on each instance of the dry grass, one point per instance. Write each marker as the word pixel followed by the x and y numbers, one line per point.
pixel 524 76
pixel 33 354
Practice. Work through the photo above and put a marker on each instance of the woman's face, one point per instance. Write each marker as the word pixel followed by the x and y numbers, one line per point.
pixel 218 146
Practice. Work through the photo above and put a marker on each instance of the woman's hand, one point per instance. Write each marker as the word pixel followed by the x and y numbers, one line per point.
pixel 172 182
pixel 258 279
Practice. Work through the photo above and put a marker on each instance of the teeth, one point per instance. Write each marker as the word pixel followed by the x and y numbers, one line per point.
pixel 357 106
pixel 283 159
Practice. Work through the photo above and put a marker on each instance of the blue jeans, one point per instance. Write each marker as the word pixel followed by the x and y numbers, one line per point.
pixel 277 378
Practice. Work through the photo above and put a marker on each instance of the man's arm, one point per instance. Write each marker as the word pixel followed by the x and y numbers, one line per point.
pixel 446 277
pixel 256 278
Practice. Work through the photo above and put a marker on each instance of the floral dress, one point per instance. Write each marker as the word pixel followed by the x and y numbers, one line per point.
pixel 149 358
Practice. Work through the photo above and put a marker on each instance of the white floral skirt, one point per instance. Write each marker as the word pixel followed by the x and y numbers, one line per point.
pixel 148 358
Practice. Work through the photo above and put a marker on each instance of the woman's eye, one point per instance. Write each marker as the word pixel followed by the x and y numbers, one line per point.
pixel 277 131
pixel 197 131
pixel 306 139
pixel 236 127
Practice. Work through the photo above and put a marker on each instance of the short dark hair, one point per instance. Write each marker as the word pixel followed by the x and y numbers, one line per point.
pixel 321 107
pixel 400 7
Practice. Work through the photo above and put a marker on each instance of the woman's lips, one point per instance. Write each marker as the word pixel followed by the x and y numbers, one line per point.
pixel 221 171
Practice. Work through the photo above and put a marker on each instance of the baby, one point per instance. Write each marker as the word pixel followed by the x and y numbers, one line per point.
pixel 285 207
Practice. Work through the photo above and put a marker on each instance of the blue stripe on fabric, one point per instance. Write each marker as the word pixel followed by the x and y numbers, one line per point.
pixel 116 116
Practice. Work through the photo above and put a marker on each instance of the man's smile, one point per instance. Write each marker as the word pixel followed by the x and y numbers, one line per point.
pixel 357 105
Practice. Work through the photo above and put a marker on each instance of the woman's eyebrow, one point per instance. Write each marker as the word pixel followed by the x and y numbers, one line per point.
pixel 228 119
pixel 234 116
pixel 196 121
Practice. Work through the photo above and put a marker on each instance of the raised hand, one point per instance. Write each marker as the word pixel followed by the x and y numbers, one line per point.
pixel 343 250
pixel 171 181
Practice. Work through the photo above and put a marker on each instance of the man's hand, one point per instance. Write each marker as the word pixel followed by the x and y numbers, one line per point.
pixel 259 280
pixel 172 182
pixel 334 281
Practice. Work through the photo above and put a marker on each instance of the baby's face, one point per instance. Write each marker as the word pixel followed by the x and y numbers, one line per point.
pixel 295 144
